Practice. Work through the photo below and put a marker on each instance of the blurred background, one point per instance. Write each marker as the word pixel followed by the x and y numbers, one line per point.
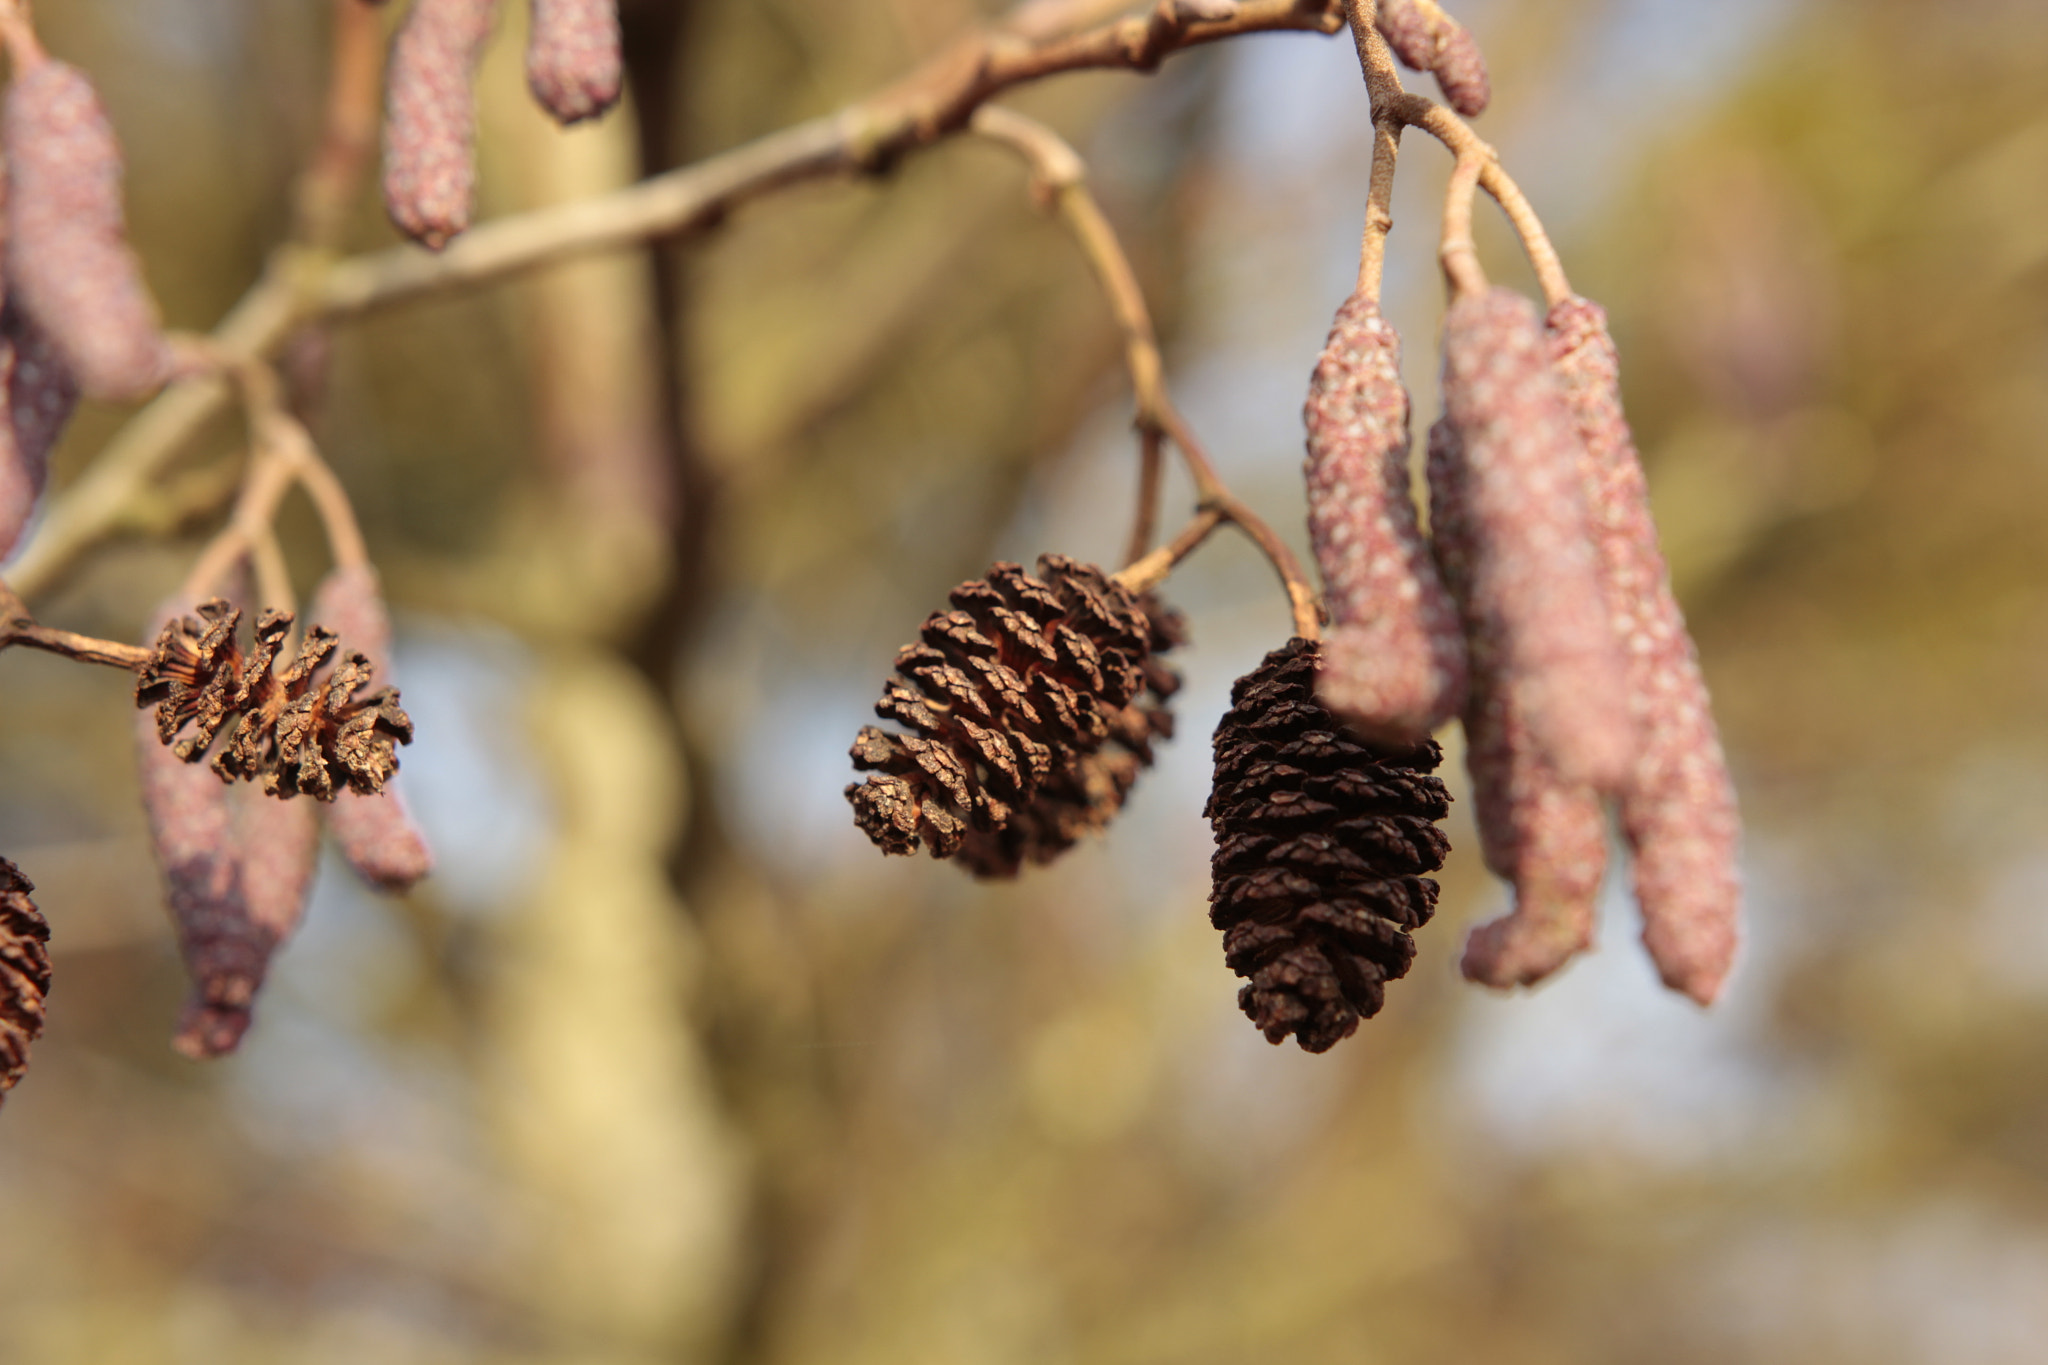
pixel 668 1064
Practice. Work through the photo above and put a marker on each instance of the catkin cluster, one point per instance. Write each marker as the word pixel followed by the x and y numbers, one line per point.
pixel 573 68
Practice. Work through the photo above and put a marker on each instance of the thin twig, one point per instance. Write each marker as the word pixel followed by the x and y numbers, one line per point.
pixel 1455 251
pixel 1144 574
pixel 327 189
pixel 17 627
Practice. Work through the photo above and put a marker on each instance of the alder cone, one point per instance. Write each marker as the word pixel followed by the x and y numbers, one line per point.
pixel 1034 704
pixel 572 57
pixel 1322 843
pixel 24 973
pixel 304 731
pixel 68 259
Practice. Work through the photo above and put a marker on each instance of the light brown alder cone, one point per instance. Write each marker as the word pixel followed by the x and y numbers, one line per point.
pixel 235 873
pixel 24 973
pixel 1678 807
pixel 1545 836
pixel 68 259
pixel 375 832
pixel 1535 580
pixel 1393 667
pixel 572 57
pixel 1427 39
pixel 430 118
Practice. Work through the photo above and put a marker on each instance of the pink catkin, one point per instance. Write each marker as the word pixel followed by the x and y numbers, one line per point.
pixel 1394 665
pixel 430 118
pixel 1678 810
pixel 69 264
pixel 1427 39
pixel 237 866
pixel 1546 836
pixel 1535 575
pixel 37 395
pixel 375 833
pixel 572 57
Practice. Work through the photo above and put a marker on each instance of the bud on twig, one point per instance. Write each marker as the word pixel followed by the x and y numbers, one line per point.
pixel 376 832
pixel 572 57
pixel 1321 840
pixel 1545 836
pixel 24 973
pixel 68 259
pixel 430 118
pixel 1034 702
pixel 1535 582
pixel 1427 39
pixel 1394 666
pixel 1678 809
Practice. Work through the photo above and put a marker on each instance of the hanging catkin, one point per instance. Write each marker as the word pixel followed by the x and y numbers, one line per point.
pixel 1545 836
pixel 1678 808
pixel 572 57
pixel 430 118
pixel 37 395
pixel 1535 579
pixel 375 832
pixel 1393 667
pixel 68 259
pixel 1427 39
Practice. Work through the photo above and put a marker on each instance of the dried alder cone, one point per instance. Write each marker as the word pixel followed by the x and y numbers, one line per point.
pixel 1427 39
pixel 572 57
pixel 430 118
pixel 24 973
pixel 1678 807
pixel 1322 840
pixel 374 832
pixel 68 259
pixel 1535 593
pixel 1034 704
pixel 1394 665
pixel 1546 836
pixel 302 731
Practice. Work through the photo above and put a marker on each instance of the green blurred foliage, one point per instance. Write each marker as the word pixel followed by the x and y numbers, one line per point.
pixel 666 1065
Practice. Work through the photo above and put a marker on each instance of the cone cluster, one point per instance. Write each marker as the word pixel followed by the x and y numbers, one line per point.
pixel 24 973
pixel 1323 840
pixel 1033 705
pixel 302 731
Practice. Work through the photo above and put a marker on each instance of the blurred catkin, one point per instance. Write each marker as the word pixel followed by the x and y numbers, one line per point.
pixel 1427 39
pixel 1678 807
pixel 37 395
pixel 1321 842
pixel 1393 667
pixel 1534 590
pixel 1547 837
pixel 68 259
pixel 375 832
pixel 24 973
pixel 430 118
pixel 572 57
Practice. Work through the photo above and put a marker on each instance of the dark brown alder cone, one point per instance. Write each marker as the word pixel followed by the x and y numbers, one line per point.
pixel 1033 704
pixel 304 731
pixel 1427 39
pixel 68 259
pixel 1322 840
pixel 572 57
pixel 430 118
pixel 1678 807
pixel 1394 662
pixel 1546 836
pixel 375 833
pixel 24 973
